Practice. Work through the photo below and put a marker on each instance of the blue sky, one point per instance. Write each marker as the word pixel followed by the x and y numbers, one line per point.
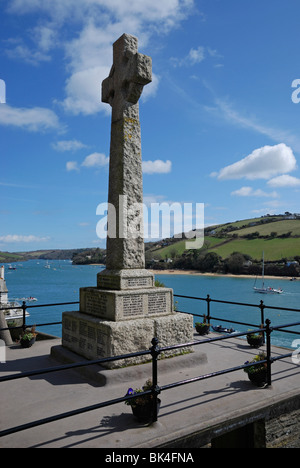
pixel 220 120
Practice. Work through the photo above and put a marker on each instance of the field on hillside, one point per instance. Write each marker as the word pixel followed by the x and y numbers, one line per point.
pixel 9 257
pixel 222 242
pixel 237 224
pixel 279 227
pixel 274 249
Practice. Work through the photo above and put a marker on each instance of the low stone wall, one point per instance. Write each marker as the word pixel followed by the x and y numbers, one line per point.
pixel 284 431
pixel 274 426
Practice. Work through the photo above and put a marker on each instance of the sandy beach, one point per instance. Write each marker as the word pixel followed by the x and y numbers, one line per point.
pixel 198 273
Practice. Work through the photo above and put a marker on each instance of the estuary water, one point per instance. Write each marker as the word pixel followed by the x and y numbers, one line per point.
pixel 59 281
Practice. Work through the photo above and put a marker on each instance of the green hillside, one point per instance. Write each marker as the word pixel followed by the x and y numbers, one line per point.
pixel 226 246
pixel 6 257
pixel 274 249
pixel 278 227
pixel 277 236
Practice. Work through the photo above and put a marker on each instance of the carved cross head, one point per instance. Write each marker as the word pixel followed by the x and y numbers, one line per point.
pixel 130 72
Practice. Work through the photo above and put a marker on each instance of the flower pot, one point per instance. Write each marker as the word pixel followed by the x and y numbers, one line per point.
pixel 258 378
pixel 202 329
pixel 255 342
pixel 144 413
pixel 27 343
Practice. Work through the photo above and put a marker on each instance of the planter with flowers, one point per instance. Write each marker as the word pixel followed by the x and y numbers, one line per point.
pixel 28 338
pixel 257 373
pixel 202 327
pixel 255 340
pixel 142 406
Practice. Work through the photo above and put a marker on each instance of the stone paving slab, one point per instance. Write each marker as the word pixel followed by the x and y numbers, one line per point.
pixel 184 410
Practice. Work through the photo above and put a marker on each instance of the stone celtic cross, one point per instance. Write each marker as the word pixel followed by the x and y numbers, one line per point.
pixel 130 72
pixel 126 309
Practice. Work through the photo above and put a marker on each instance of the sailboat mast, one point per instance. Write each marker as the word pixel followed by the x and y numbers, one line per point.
pixel 263 270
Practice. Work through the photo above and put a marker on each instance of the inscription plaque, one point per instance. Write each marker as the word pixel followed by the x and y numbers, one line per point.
pixel 96 304
pixel 157 303
pixel 138 282
pixel 132 305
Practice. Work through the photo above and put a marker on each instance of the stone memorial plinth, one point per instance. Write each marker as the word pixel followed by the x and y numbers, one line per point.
pixel 125 310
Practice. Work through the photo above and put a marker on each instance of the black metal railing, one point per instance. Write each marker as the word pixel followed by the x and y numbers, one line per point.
pixel 25 306
pixel 155 390
pixel 261 307
pixel 155 351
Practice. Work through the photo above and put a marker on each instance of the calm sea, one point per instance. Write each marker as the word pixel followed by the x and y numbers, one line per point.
pixel 59 281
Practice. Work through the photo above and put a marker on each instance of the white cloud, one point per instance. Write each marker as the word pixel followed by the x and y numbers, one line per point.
pixel 34 119
pixel 26 54
pixel 68 145
pixel 196 55
pixel 151 89
pixel 262 163
pixel 192 58
pixel 83 91
pixel 224 109
pixel 95 24
pixel 72 166
pixel 250 192
pixel 284 181
pixel 15 238
pixel 157 167
pixel 95 160
pixel 166 13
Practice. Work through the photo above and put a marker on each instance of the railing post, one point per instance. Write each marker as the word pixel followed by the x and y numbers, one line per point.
pixel 268 347
pixel 262 316
pixel 208 300
pixel 155 351
pixel 24 315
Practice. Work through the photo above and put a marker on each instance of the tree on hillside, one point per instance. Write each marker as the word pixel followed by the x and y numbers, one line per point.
pixel 235 263
pixel 208 262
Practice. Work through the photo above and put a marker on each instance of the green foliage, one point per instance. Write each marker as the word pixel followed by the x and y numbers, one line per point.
pixel 139 400
pixel 256 367
pixel 88 256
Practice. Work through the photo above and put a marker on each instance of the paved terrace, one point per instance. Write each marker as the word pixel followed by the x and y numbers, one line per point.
pixel 188 409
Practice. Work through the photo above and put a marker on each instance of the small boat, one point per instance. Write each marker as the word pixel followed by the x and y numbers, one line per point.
pixel 12 315
pixel 220 329
pixel 12 311
pixel 263 289
pixel 11 267
pixel 27 299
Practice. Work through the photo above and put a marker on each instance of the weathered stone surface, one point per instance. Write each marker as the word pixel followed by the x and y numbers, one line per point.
pixel 95 338
pixel 125 279
pixel 130 72
pixel 125 311
pixel 122 89
pixel 175 329
pixel 126 304
pixel 284 431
